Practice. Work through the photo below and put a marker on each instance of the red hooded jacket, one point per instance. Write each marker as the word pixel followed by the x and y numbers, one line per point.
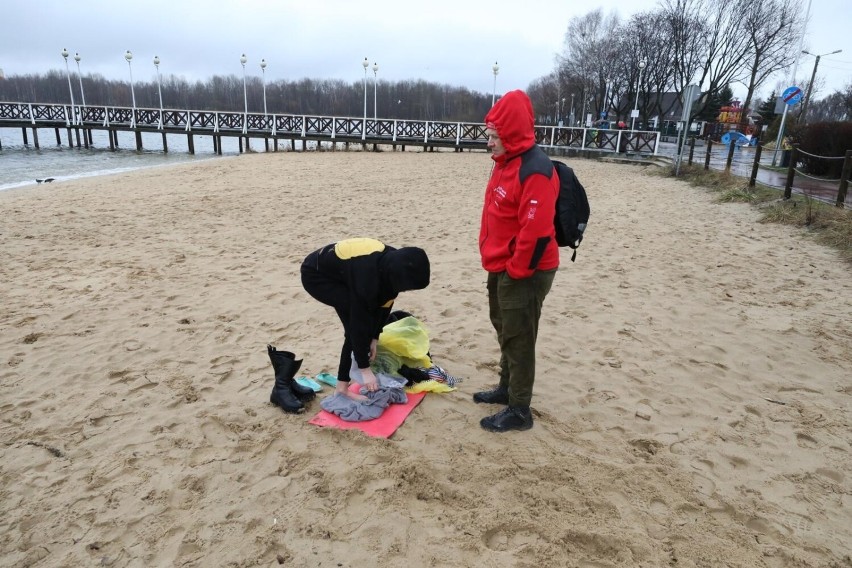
pixel 517 232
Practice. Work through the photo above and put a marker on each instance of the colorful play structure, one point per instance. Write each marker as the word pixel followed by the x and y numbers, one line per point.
pixel 732 116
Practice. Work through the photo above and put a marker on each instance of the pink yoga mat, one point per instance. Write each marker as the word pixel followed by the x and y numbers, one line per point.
pixel 382 427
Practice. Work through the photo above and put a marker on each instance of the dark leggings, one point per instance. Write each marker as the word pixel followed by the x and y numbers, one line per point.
pixel 335 294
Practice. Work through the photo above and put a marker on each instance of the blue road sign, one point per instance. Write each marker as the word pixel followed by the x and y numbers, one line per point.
pixel 792 95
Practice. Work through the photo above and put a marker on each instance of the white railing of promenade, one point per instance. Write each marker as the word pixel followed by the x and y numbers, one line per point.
pixel 348 129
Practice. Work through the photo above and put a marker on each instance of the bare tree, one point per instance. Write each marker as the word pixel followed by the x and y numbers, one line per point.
pixel 587 57
pixel 773 28
pixel 709 45
pixel 646 38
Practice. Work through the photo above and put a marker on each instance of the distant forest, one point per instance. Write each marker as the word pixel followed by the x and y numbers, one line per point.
pixel 607 67
pixel 411 100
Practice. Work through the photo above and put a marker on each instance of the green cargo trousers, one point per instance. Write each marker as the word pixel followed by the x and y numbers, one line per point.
pixel 515 308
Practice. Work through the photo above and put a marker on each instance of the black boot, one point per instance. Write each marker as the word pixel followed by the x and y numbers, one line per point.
pixel 286 362
pixel 510 418
pixel 497 395
pixel 282 395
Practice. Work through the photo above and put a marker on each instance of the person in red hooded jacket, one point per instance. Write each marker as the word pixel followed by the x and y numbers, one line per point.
pixel 517 243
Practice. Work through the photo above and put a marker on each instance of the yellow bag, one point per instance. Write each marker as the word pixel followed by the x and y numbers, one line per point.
pixel 408 339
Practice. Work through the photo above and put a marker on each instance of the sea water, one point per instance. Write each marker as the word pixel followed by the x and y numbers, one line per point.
pixel 22 165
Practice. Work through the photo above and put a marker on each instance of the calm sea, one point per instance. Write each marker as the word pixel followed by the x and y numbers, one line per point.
pixel 21 165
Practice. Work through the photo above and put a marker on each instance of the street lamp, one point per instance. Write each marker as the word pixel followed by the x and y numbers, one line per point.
pixel 70 90
pixel 77 58
pixel 572 109
pixel 263 72
pixel 375 90
pixel 496 69
pixel 366 64
pixel 811 84
pixel 243 60
pixel 128 56
pixel 159 89
pixel 642 65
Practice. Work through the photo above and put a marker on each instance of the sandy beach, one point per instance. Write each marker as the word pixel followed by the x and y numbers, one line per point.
pixel 692 401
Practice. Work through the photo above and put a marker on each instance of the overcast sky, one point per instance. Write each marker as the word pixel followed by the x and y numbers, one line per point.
pixel 446 41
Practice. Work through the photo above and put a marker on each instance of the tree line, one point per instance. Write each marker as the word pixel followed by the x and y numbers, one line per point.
pixel 605 66
pixel 411 100
pixel 609 65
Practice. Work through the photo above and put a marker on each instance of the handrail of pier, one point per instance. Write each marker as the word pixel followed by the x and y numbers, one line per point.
pixel 332 128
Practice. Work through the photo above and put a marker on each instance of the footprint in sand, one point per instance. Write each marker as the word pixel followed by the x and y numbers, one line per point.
pixel 505 537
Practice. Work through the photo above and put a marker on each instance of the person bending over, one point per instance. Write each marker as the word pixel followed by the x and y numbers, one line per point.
pixel 360 278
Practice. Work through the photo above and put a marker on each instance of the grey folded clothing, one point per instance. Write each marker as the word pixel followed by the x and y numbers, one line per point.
pixel 359 411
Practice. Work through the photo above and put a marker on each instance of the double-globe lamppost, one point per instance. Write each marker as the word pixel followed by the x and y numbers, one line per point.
pixel 366 64
pixel 496 69
pixel 572 109
pixel 375 90
pixel 642 65
pixel 77 58
pixel 159 90
pixel 263 75
pixel 243 60
pixel 70 90
pixel 129 56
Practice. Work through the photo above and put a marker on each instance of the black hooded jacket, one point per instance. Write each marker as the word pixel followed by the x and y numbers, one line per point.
pixel 374 274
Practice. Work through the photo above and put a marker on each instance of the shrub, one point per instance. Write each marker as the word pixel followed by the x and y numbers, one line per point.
pixel 830 139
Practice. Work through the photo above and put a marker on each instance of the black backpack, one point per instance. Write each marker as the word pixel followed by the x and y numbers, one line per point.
pixel 572 209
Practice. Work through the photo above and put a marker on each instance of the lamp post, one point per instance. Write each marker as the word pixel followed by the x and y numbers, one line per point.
pixel 572 109
pixel 642 65
pixel 811 84
pixel 562 108
pixel 159 90
pixel 77 58
pixel 243 60
pixel 263 73
pixel 129 56
pixel 366 64
pixel 375 90
pixel 70 90
pixel 496 69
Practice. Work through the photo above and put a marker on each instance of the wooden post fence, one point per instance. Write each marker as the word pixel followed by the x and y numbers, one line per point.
pixel 844 179
pixel 755 166
pixel 707 155
pixel 731 149
pixel 791 172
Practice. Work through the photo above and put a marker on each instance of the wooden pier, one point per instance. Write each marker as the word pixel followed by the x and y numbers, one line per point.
pixel 78 122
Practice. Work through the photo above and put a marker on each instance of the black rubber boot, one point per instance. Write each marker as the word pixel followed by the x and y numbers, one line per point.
pixel 285 362
pixel 498 395
pixel 282 395
pixel 510 418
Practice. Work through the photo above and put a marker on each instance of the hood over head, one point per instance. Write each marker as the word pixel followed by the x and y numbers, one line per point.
pixel 512 117
pixel 406 268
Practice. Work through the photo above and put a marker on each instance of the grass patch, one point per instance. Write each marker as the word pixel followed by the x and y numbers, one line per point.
pixel 825 223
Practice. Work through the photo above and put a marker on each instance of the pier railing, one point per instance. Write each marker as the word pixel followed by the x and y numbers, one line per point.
pixel 426 133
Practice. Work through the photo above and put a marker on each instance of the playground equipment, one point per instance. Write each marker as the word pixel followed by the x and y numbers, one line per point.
pixel 738 139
